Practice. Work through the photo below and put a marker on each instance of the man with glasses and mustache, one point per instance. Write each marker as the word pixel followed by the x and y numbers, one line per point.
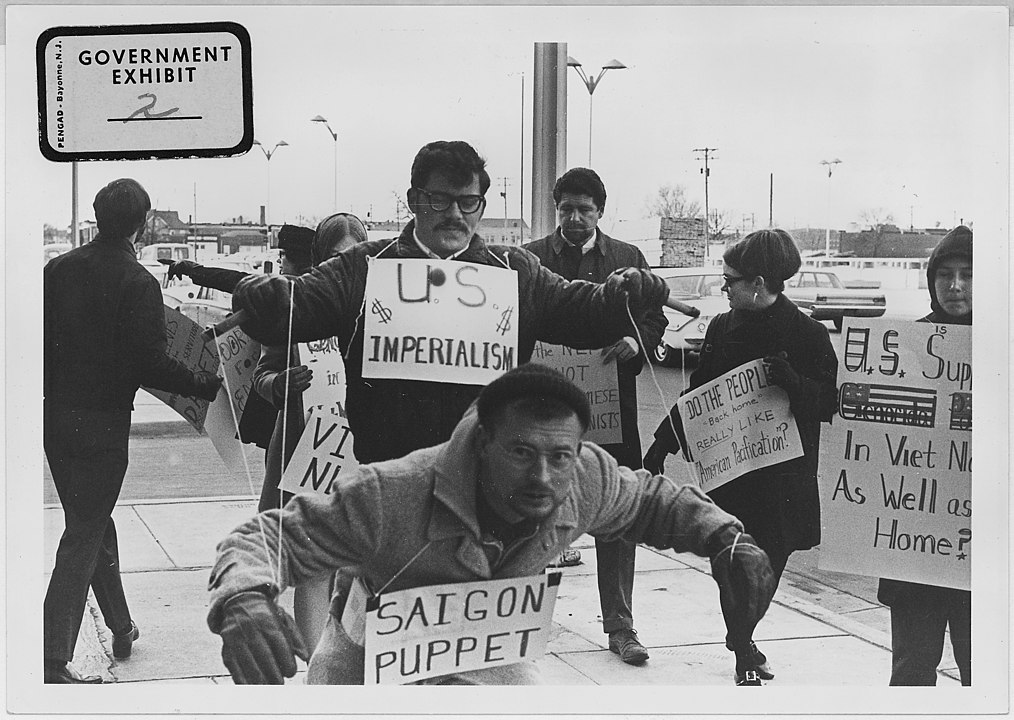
pixel 578 249
pixel 392 417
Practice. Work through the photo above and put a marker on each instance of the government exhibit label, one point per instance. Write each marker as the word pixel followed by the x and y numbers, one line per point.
pixel 425 632
pixel 896 466
pixel 737 423
pixel 120 92
pixel 598 380
pixel 440 321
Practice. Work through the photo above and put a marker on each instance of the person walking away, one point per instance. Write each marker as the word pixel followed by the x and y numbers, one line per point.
pixel 578 249
pixel 779 504
pixel 922 614
pixel 104 336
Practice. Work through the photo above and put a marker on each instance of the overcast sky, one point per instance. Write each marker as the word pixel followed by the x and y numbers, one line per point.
pixel 912 100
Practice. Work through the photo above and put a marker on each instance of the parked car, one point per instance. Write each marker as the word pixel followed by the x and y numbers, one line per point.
pixel 205 306
pixel 52 250
pixel 701 288
pixel 826 298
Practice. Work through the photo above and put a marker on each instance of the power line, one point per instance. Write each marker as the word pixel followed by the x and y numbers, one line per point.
pixel 706 171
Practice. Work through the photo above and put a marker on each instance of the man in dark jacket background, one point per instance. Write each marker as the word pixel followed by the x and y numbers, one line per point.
pixel 104 336
pixel 921 613
pixel 578 249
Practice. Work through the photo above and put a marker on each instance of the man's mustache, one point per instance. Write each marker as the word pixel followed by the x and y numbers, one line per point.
pixel 451 225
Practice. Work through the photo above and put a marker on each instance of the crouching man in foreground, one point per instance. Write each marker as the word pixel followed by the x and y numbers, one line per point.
pixel 513 487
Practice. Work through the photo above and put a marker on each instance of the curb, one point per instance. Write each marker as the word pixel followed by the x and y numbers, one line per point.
pixel 163 428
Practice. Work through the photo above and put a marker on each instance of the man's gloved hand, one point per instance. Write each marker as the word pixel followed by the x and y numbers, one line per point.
pixel 781 373
pixel 654 459
pixel 624 349
pixel 642 287
pixel 298 379
pixel 746 583
pixel 265 298
pixel 260 642
pixel 179 268
pixel 206 385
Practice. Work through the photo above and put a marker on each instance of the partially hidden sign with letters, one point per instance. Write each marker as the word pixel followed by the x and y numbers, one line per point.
pixel 895 474
pixel 119 92
pixel 327 388
pixel 185 344
pixel 737 423
pixel 238 354
pixel 426 632
pixel 322 456
pixel 440 321
pixel 598 380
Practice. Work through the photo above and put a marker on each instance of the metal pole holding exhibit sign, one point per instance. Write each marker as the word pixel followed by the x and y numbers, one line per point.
pixel 73 205
pixel 549 132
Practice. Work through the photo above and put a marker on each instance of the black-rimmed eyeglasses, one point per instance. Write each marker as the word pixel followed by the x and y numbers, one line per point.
pixel 439 201
pixel 730 279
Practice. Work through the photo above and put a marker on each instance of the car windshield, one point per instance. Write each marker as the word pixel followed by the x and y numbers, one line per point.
pixel 685 286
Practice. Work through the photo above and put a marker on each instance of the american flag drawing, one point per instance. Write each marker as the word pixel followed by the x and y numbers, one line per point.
pixel 888 404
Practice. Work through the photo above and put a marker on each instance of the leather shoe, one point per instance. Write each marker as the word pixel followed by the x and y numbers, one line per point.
pixel 625 644
pixel 760 662
pixel 124 642
pixel 65 674
pixel 748 678
pixel 568 558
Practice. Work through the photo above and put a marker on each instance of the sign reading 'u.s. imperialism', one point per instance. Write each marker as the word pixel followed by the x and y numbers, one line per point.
pixel 895 469
pixel 440 321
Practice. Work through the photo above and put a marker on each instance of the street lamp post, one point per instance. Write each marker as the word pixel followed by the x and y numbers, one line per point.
pixel 334 136
pixel 591 84
pixel 268 154
pixel 827 231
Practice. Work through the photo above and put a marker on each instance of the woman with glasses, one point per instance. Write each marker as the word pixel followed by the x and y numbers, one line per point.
pixel 779 504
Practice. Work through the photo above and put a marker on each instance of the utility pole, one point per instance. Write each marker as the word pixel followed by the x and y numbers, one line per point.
pixel 503 194
pixel 706 171
pixel 771 200
pixel 827 231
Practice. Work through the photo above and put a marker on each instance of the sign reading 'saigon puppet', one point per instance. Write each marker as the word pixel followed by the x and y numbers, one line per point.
pixel 128 92
pixel 440 321
pixel 896 466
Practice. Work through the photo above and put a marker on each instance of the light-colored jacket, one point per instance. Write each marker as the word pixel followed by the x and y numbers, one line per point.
pixel 412 522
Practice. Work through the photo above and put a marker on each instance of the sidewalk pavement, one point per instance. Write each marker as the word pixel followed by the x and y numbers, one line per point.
pixel 168 546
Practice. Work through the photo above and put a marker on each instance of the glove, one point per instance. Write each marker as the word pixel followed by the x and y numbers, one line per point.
pixel 260 642
pixel 746 584
pixel 180 268
pixel 264 298
pixel 643 288
pixel 206 385
pixel 654 459
pixel 781 373
pixel 623 349
pixel 298 379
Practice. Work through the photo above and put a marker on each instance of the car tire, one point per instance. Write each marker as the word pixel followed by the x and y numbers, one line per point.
pixel 666 356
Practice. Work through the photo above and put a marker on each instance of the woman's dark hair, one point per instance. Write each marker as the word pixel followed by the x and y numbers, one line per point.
pixel 771 254
pixel 454 158
pixel 581 181
pixel 334 234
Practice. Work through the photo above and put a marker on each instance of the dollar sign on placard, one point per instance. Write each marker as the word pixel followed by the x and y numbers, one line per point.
pixel 505 321
pixel 379 309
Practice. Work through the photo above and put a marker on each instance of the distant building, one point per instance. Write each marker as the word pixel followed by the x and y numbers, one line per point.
pixel 512 231
pixel 888 241
pixel 683 242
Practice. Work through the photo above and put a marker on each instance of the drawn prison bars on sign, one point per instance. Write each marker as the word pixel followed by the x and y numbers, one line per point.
pixel 888 404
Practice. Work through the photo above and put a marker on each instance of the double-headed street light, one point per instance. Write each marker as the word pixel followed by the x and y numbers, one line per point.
pixel 591 84
pixel 268 154
pixel 827 231
pixel 334 136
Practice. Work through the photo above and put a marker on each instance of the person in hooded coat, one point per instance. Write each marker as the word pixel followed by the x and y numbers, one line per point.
pixel 920 614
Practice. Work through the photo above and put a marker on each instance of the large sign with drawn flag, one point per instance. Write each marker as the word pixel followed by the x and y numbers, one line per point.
pixel 737 423
pixel 185 343
pixel 439 320
pixel 426 632
pixel 896 466
pixel 599 381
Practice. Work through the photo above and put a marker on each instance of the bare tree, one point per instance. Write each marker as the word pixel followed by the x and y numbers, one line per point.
pixel 672 201
pixel 720 221
pixel 874 217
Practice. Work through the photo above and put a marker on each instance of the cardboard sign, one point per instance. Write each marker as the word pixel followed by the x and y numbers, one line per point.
pixel 896 467
pixel 185 344
pixel 322 456
pixel 120 92
pixel 327 388
pixel 600 382
pixel 427 632
pixel 737 423
pixel 238 354
pixel 440 320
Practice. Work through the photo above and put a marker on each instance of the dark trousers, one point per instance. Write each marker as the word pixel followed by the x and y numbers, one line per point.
pixel 614 565
pixel 919 616
pixel 778 558
pixel 87 454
